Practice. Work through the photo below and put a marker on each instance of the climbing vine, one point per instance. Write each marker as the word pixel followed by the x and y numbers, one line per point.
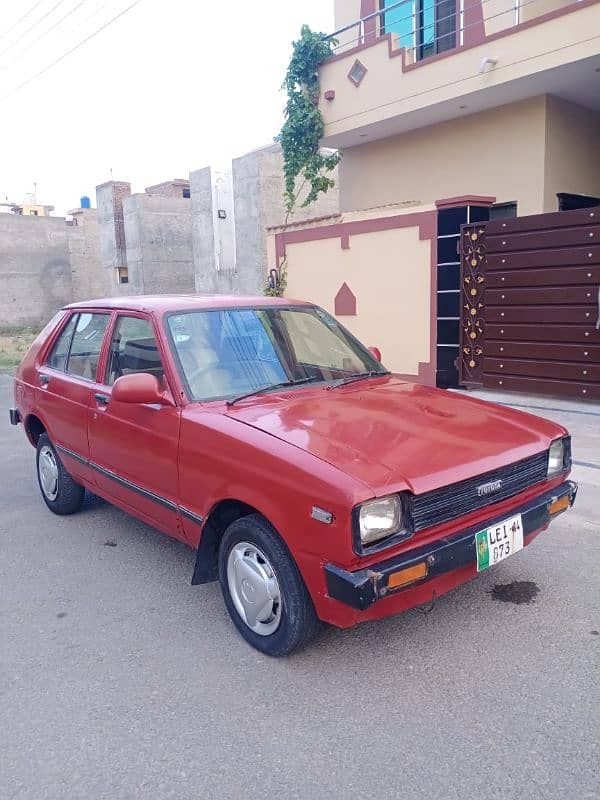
pixel 303 125
pixel 301 134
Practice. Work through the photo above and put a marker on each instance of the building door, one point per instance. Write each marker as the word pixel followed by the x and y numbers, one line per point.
pixel 450 219
pixel 530 304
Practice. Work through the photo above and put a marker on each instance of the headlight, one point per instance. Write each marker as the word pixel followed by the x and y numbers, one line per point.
pixel 379 518
pixel 556 457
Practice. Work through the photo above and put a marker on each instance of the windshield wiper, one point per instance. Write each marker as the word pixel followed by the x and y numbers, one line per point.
pixel 357 376
pixel 266 388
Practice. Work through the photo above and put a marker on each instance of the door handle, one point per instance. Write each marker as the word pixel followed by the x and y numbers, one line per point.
pixel 102 398
pixel 44 379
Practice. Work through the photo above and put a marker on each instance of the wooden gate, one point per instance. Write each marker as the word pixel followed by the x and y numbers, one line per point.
pixel 530 304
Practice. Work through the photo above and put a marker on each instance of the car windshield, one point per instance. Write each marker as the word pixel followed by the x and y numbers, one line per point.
pixel 226 353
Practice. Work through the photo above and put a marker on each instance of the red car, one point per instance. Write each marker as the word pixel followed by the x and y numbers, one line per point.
pixel 314 484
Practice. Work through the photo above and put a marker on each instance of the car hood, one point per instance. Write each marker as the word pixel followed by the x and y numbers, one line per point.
pixel 393 435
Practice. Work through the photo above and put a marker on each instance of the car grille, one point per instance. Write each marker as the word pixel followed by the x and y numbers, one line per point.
pixel 448 502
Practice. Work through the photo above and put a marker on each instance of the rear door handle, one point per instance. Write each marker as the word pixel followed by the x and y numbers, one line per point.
pixel 44 379
pixel 102 398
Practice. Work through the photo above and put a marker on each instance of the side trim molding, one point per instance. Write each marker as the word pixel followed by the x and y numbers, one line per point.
pixel 156 498
pixel 72 454
pixel 185 512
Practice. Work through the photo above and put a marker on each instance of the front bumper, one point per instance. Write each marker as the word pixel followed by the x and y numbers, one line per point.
pixel 365 587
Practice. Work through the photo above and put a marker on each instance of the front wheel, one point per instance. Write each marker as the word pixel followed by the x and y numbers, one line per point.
pixel 60 492
pixel 263 590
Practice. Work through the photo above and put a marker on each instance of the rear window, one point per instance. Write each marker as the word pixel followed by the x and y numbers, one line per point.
pixel 60 352
pixel 77 349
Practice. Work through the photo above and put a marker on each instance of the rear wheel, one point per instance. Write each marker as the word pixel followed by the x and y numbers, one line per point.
pixel 60 492
pixel 263 589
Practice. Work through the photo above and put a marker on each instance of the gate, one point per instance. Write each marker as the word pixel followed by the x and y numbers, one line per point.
pixel 530 304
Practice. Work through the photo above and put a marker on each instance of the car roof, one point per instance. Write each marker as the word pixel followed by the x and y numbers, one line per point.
pixel 184 302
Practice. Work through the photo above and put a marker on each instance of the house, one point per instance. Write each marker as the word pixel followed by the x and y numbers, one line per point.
pixel 481 113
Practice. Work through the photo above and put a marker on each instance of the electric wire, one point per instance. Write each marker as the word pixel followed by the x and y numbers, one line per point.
pixel 69 52
pixel 31 27
pixel 44 34
pixel 20 20
pixel 93 13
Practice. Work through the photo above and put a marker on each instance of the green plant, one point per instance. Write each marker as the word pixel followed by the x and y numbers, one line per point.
pixel 302 131
pixel 303 126
pixel 14 343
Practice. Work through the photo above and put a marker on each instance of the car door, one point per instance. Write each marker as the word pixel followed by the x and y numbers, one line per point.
pixel 65 381
pixel 133 446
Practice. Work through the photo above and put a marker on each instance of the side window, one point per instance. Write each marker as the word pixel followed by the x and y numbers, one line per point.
pixel 86 345
pixel 133 349
pixel 60 351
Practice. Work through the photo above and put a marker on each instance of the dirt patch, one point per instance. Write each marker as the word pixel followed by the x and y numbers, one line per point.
pixel 517 592
pixel 14 345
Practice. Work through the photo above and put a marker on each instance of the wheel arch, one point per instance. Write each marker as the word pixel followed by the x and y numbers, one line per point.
pixel 221 515
pixel 34 427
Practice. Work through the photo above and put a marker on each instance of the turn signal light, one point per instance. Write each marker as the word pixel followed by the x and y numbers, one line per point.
pixel 561 504
pixel 405 576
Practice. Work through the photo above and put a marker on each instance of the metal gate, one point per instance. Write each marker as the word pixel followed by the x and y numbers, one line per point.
pixel 530 304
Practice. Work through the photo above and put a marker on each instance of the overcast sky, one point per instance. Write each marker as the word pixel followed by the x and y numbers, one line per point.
pixel 172 85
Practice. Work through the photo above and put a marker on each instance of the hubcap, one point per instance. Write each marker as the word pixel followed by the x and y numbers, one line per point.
pixel 48 472
pixel 254 588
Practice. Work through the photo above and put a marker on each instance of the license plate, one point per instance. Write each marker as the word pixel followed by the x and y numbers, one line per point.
pixel 498 542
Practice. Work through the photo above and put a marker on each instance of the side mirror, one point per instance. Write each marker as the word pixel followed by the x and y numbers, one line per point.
pixel 140 387
pixel 375 352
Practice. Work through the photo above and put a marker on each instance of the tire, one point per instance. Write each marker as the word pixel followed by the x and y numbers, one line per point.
pixel 255 566
pixel 60 492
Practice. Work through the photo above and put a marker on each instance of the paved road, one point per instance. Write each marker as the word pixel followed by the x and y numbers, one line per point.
pixel 120 680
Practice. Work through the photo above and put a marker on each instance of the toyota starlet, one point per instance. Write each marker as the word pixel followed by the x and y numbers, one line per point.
pixel 312 483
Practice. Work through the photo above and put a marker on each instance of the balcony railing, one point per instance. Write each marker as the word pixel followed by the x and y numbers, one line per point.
pixel 428 27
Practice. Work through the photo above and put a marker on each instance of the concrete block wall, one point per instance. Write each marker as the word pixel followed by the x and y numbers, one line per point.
pixel 88 279
pixel 213 237
pixel 171 243
pixel 169 239
pixel 111 232
pixel 258 200
pixel 206 277
pixel 35 271
pixel 158 244
pixel 178 187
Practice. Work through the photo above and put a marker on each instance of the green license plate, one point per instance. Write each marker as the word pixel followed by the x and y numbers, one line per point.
pixel 498 542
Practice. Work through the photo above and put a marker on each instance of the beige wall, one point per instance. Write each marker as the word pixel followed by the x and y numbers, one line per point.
pixel 499 15
pixel 572 162
pixel 389 272
pixel 498 152
pixel 530 10
pixel 388 92
pixel 345 12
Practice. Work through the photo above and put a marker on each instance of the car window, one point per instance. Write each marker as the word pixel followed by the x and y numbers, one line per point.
pixel 319 344
pixel 60 351
pixel 86 345
pixel 133 348
pixel 226 353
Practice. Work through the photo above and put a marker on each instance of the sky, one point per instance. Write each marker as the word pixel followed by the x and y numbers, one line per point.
pixel 170 86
